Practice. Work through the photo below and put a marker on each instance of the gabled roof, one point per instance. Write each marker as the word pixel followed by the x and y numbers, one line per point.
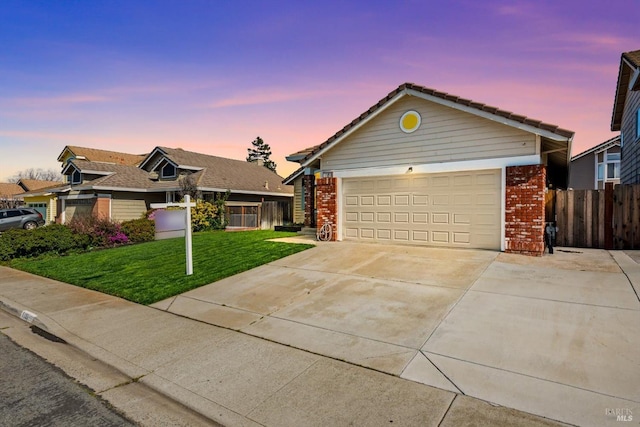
pixel 220 173
pixel 10 189
pixel 550 131
pixel 37 184
pixel 613 142
pixel 210 173
pixel 96 155
pixel 628 74
pixel 115 176
pixel 299 155
pixel 289 180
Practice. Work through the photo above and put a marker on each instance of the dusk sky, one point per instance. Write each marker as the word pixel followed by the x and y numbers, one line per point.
pixel 210 76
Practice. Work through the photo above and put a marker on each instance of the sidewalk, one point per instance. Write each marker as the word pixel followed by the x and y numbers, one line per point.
pixel 233 378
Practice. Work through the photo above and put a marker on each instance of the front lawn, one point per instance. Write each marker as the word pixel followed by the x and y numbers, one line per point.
pixel 150 272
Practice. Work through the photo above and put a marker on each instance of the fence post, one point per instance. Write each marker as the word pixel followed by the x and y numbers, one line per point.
pixel 608 216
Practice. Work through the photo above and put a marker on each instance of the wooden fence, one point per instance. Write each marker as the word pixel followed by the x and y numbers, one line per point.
pixel 274 213
pixel 606 219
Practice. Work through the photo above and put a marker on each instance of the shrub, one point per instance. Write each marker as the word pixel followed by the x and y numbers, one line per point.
pixel 103 232
pixel 52 239
pixel 139 230
pixel 203 216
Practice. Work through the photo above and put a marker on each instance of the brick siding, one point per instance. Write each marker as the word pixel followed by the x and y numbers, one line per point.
pixel 327 204
pixel 101 207
pixel 309 206
pixel 524 209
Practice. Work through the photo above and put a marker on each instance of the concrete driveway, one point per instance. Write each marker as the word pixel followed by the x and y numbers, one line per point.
pixel 557 336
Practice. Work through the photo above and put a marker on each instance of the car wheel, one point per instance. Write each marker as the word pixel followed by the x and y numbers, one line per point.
pixel 30 225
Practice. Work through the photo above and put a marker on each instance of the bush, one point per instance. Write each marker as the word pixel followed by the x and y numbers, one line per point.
pixel 139 230
pixel 52 239
pixel 203 216
pixel 102 232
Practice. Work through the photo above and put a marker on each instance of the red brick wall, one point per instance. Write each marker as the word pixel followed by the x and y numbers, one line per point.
pixel 101 208
pixel 524 209
pixel 327 204
pixel 309 206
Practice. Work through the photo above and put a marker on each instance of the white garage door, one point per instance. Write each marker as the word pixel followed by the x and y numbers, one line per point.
pixel 460 209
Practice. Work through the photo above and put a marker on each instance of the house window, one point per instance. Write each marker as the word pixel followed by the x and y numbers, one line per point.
pixel 613 165
pixel 638 123
pixel 302 196
pixel 168 171
pixel 76 177
pixel 609 169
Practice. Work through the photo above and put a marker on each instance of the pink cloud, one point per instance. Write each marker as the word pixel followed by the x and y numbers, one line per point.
pixel 272 96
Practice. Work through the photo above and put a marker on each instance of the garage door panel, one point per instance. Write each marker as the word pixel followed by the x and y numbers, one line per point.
pixel 401 200
pixel 440 200
pixel 384 200
pixel 440 181
pixel 420 217
pixel 367 233
pixel 384 234
pixel 487 199
pixel 366 200
pixel 488 179
pixel 367 216
pixel 351 201
pixel 351 233
pixel 464 218
pixel 440 218
pixel 456 209
pixel 420 200
pixel 420 236
pixel 462 180
pixel 462 238
pixel 440 236
pixel 401 235
pixel 400 184
pixel 384 217
pixel 401 217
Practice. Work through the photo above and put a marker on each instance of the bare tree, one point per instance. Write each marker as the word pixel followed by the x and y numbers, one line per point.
pixel 188 186
pixel 9 202
pixel 39 174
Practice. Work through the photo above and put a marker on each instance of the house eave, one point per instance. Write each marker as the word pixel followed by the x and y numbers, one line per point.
pixel 493 117
pixel 357 126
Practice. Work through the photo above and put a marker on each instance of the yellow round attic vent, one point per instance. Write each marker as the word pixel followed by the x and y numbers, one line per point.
pixel 410 121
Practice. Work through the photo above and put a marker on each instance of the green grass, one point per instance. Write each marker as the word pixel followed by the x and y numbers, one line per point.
pixel 150 272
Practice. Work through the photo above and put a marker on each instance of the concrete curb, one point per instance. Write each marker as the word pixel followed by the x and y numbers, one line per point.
pixel 204 407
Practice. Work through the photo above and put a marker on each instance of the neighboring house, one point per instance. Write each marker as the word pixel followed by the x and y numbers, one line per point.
pixel 429 168
pixel 24 192
pixel 626 116
pixel 37 195
pixel 10 195
pixel 125 191
pixel 592 168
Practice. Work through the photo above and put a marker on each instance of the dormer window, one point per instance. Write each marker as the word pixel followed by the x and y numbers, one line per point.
pixel 76 177
pixel 168 171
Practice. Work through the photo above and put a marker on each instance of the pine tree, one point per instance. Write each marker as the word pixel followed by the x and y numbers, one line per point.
pixel 261 151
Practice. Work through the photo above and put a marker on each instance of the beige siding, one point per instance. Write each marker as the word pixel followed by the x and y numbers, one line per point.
pixel 445 135
pixel 630 167
pixel 126 209
pixel 298 207
pixel 52 209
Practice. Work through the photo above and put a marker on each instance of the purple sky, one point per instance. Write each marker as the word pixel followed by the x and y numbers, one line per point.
pixel 210 76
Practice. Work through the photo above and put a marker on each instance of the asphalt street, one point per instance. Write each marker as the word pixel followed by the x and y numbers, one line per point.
pixel 33 392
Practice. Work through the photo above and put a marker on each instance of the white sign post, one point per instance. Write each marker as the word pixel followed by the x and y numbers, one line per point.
pixel 186 227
